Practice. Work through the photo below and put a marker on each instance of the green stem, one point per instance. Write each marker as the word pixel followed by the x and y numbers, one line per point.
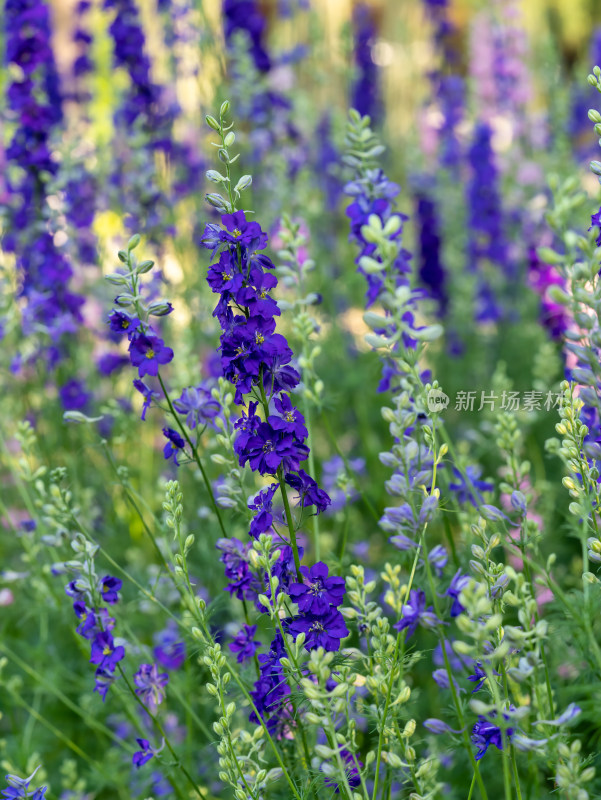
pixel 316 542
pixel 516 775
pixel 472 784
pixel 195 456
pixel 290 523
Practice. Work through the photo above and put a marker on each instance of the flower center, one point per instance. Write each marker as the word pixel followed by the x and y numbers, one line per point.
pixel 316 588
pixel 289 416
pixel 226 276
pixel 125 323
pixel 236 232
pixel 317 626
pixel 150 353
pixel 107 651
pixel 268 446
pixel 259 338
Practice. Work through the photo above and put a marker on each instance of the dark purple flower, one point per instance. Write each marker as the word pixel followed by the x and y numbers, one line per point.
pixel 73 395
pixel 321 631
pixel 290 419
pixel 262 504
pixel 468 486
pixel 415 613
pixel 485 733
pixel 75 590
pixel 457 585
pixel 19 788
pixel 142 756
pixel 198 405
pixel 175 444
pixel 596 223
pixel 240 231
pixel 93 620
pixel 243 582
pixel 169 650
pixel 111 362
pixel 438 558
pixel 318 591
pixel 269 449
pixel 150 685
pixel 309 493
pixel 104 652
pixel 148 394
pixel 122 322
pixel 147 353
pixel 245 16
pixel 109 587
pixel 479 677
pixel 244 644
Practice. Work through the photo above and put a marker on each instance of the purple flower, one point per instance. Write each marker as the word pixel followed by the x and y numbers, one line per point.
pixel 76 590
pixel 198 405
pixel 485 733
pixel 290 419
pixel 150 685
pixel 269 449
pixel 309 493
pixel 104 680
pixel 439 558
pixel 109 587
pixel 142 756
pixel 122 322
pixel 237 570
pixel 93 621
pixel 111 362
pixel 415 613
pixel 457 585
pixel 19 787
pixel 240 231
pixel 104 652
pixel 321 631
pixel 147 353
pixel 318 592
pixel 244 644
pixel 596 223
pixel 479 676
pixel 169 650
pixel 148 394
pixel 468 486
pixel 175 444
pixel 73 395
pixel 262 504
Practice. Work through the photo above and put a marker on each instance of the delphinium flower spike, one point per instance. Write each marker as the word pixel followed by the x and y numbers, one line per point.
pixel 254 358
pixel 45 273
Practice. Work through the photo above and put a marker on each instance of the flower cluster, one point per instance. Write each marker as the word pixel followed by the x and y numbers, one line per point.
pixel 147 350
pixel 365 92
pixel 318 598
pixel 486 224
pixel 34 101
pixel 256 359
pixel 150 686
pixel 244 16
pixel 96 624
pixel 432 272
